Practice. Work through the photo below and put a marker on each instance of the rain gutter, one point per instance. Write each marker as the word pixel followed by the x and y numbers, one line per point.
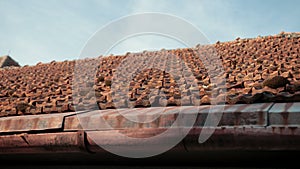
pixel 259 127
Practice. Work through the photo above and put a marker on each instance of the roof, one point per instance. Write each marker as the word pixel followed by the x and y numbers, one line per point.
pixel 261 112
pixel 7 61
pixel 263 69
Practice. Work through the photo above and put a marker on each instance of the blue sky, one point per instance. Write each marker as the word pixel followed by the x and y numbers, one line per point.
pixel 41 31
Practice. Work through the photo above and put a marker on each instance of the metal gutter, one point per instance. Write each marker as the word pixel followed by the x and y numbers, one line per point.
pixel 242 127
pixel 231 139
pixel 43 143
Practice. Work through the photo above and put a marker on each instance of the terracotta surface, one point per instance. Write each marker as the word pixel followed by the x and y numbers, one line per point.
pixel 258 70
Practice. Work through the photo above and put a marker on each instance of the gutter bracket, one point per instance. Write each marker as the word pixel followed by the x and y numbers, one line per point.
pixel 82 141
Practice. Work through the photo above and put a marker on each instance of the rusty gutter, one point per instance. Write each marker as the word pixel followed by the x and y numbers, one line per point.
pixel 238 139
pixel 265 128
pixel 61 142
pixel 224 139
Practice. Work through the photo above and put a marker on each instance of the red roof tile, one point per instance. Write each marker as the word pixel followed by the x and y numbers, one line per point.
pixel 263 69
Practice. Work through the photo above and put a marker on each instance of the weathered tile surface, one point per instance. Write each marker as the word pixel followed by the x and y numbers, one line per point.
pixel 257 70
